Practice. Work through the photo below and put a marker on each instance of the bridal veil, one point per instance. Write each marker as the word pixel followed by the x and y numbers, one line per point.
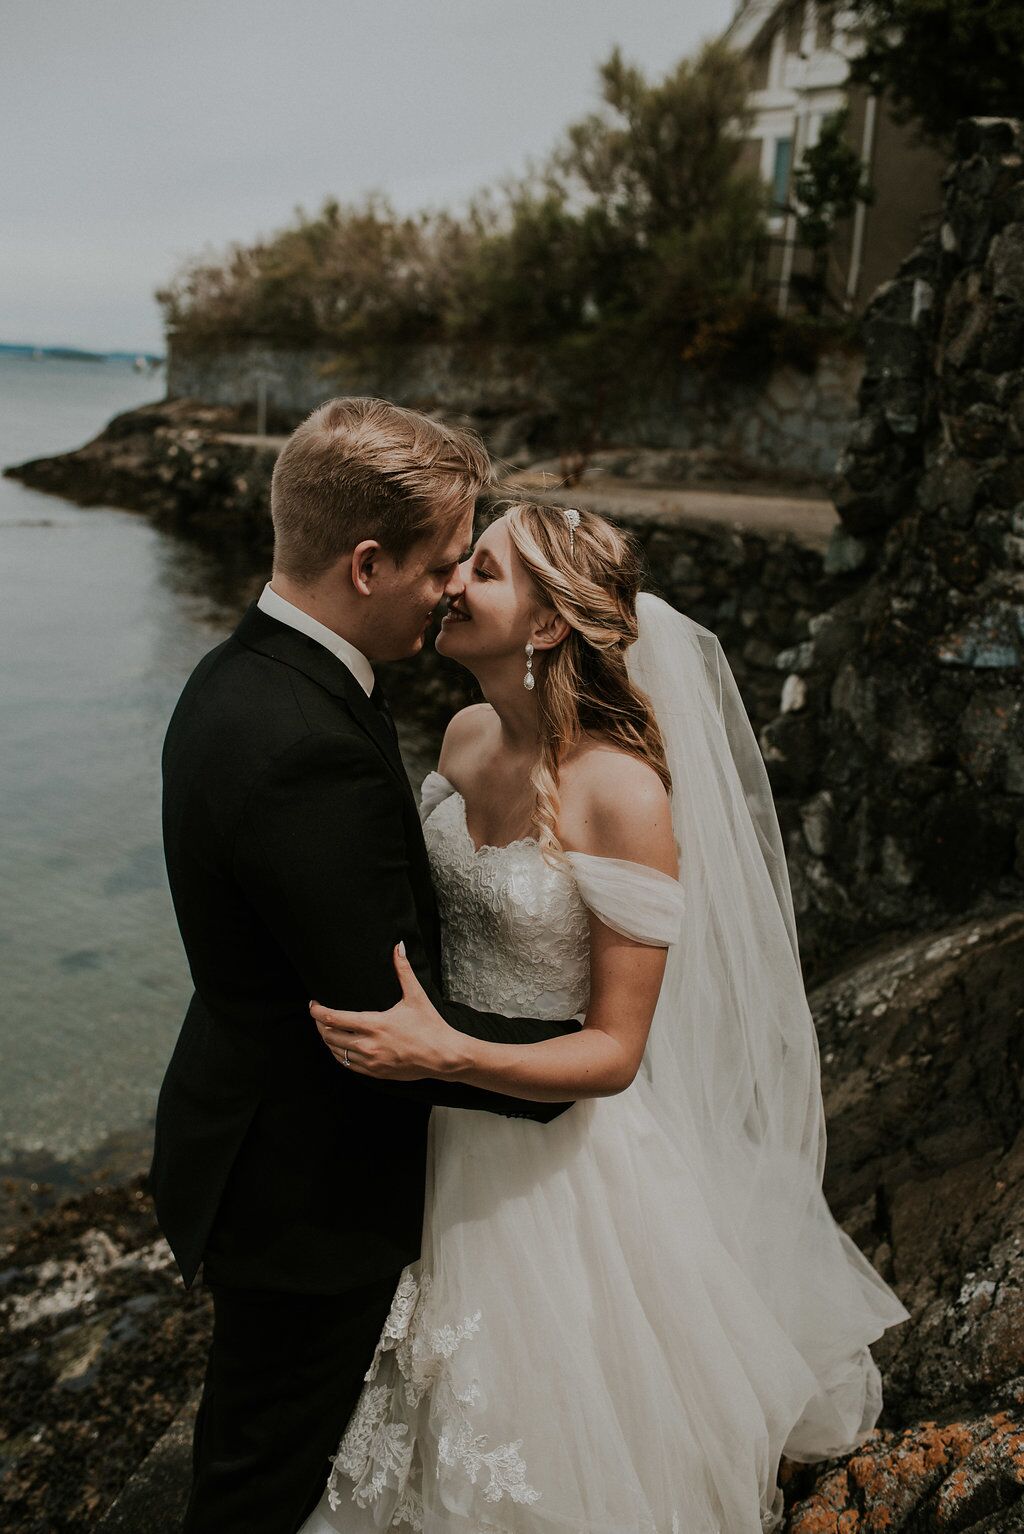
pixel 733 1056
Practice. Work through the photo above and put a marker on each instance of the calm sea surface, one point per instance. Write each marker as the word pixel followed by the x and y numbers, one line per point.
pixel 101 620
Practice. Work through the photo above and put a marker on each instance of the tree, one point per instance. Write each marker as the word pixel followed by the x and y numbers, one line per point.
pixel 827 185
pixel 667 223
pixel 658 179
pixel 941 60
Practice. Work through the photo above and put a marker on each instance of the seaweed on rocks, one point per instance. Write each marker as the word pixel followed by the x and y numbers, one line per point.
pixel 100 1347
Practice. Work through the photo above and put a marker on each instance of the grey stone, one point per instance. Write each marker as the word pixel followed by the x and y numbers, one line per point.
pixel 816 819
pixel 990 726
pixel 794 694
pixel 987 641
pixel 892 349
pixel 949 482
pixel 844 553
pixel 962 349
pixel 683 568
pixel 980 431
pixel 912 741
pixel 897 868
pixel 902 424
pixel 868 433
pixel 799 658
pixel 1006 262
pixel 922 301
pixel 854 696
pixel 785 390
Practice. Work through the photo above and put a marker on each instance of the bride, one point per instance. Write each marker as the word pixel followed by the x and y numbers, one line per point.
pixel 621 1320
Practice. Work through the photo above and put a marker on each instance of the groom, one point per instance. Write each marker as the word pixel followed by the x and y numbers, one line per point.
pixel 296 862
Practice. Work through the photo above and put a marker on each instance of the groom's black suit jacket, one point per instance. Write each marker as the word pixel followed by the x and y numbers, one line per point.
pixel 296 862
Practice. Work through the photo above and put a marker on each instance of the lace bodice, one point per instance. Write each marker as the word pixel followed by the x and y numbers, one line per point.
pixel 516 928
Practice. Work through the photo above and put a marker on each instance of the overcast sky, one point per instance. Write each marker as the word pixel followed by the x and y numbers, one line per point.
pixel 136 133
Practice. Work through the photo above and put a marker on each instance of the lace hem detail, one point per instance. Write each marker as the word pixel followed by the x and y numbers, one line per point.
pixel 380 1455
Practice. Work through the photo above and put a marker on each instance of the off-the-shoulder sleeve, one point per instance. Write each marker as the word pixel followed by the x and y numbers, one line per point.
pixel 631 898
pixel 433 790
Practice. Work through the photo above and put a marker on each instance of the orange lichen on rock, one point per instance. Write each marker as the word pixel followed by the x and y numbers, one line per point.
pixel 996 1458
pixel 821 1511
pixel 943 1468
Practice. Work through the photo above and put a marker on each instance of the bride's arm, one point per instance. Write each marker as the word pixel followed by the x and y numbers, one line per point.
pixel 625 815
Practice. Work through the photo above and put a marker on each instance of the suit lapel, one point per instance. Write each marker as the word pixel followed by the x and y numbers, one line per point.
pixel 258 631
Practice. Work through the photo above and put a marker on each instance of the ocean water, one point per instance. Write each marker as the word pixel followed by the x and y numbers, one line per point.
pixel 102 618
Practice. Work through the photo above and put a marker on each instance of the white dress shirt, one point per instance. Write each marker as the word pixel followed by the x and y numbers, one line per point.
pixel 286 612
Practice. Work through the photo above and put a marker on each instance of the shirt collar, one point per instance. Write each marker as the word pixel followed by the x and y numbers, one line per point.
pixel 275 606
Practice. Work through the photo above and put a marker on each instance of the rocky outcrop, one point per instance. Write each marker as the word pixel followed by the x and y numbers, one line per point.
pixel 922 1051
pixel 100 1348
pixel 898 755
pixel 923 1077
pixel 960 1477
pixel 177 461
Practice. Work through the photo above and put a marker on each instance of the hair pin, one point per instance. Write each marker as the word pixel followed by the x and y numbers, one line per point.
pixel 572 516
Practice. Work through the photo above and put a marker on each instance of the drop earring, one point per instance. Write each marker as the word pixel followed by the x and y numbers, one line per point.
pixel 528 680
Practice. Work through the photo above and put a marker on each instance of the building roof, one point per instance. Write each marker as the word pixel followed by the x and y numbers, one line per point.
pixel 750 22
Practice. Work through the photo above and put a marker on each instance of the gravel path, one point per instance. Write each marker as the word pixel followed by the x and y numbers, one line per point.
pixel 808 519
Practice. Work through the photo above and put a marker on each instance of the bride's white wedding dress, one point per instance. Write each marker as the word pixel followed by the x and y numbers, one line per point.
pixel 578 1348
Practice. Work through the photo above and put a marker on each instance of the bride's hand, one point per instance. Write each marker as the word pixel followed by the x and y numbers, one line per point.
pixel 409 1041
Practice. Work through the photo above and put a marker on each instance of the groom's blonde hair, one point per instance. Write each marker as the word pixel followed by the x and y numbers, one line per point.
pixel 359 467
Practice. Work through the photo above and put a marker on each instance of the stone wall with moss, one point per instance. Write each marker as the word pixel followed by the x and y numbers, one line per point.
pixel 898 755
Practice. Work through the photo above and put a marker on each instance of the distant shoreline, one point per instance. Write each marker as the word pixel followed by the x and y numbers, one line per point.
pixel 76 354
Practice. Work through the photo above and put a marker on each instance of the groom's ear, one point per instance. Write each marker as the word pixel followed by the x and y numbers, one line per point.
pixel 364 565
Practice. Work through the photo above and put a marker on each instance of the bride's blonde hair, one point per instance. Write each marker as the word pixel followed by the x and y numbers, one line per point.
pixel 582 684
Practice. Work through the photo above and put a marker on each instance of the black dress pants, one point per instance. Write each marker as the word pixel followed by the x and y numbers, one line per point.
pixel 283 1375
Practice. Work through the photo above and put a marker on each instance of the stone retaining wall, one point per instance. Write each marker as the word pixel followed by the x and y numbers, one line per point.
pixel 787 424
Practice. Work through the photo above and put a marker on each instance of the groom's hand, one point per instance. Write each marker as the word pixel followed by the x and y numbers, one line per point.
pixel 409 1041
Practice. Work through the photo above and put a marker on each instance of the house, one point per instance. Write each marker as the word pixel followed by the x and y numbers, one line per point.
pixel 799 52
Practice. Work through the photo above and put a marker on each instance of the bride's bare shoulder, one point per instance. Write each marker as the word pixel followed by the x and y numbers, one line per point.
pixel 467 731
pixel 615 805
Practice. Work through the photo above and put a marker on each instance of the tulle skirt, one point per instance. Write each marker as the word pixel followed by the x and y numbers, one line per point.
pixel 579 1349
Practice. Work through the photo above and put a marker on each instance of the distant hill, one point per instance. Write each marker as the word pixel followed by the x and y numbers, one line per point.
pixel 72 353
